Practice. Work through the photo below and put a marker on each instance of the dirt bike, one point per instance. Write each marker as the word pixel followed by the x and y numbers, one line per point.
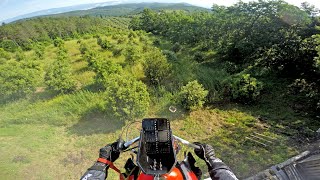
pixel 156 154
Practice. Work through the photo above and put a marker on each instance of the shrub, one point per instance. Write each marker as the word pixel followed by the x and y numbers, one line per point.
pixel 83 48
pixel 58 42
pixel 307 94
pixel 39 50
pixel 171 56
pixel 104 69
pixel 199 56
pixel 117 52
pixel 157 69
pixel 4 55
pixel 87 36
pixel 176 47
pixel 132 34
pixel 243 88
pixel 127 97
pixel 104 44
pixel 9 45
pixel 58 77
pixel 121 40
pixel 156 42
pixel 132 56
pixel 20 55
pixel 18 79
pixel 192 96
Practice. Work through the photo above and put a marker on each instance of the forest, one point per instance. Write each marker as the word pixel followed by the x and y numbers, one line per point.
pixel 70 83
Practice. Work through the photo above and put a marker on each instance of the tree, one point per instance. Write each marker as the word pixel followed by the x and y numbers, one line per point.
pixel 59 77
pixel 39 49
pixel 126 97
pixel 19 79
pixel 4 54
pixel 243 88
pixel 192 96
pixel 103 43
pixel 9 45
pixel 58 42
pixel 157 69
pixel 311 10
pixel 132 56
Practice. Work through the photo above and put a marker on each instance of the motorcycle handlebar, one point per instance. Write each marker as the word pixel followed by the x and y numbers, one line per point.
pixel 183 141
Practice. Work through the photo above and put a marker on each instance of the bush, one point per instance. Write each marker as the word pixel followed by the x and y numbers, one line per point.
pixel 58 42
pixel 18 79
pixel 243 88
pixel 132 34
pixel 127 97
pixel 104 69
pixel 199 56
pixel 157 69
pixel 132 56
pixel 58 77
pixel 192 96
pixel 117 52
pixel 39 50
pixel 83 48
pixel 171 56
pixel 156 42
pixel 104 44
pixel 9 45
pixel 20 56
pixel 4 55
pixel 306 94
pixel 176 47
pixel 121 40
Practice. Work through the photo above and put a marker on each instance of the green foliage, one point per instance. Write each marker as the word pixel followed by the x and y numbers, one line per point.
pixel 116 52
pixel 171 56
pixel 4 55
pixel 58 42
pixel 243 88
pixel 102 67
pixel 46 29
pixel 39 50
pixel 156 42
pixel 192 96
pixel 199 56
pixel 132 56
pixel 176 47
pixel 307 95
pixel 127 97
pixel 20 56
pixel 18 79
pixel 157 69
pixel 132 34
pixel 212 79
pixel 104 44
pixel 83 48
pixel 59 77
pixel 9 45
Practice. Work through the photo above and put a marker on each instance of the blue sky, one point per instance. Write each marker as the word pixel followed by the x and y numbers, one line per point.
pixel 12 8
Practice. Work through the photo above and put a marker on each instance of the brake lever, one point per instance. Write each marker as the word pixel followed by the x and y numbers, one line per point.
pixel 185 142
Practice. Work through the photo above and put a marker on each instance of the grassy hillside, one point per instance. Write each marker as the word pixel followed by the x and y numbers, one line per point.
pixel 61 134
pixel 132 9
pixel 69 85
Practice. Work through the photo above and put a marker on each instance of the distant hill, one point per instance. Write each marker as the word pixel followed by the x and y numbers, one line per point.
pixel 60 10
pixel 131 9
pixel 111 8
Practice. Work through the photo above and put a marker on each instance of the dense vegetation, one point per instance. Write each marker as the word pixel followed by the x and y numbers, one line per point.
pixel 73 82
pixel 251 42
